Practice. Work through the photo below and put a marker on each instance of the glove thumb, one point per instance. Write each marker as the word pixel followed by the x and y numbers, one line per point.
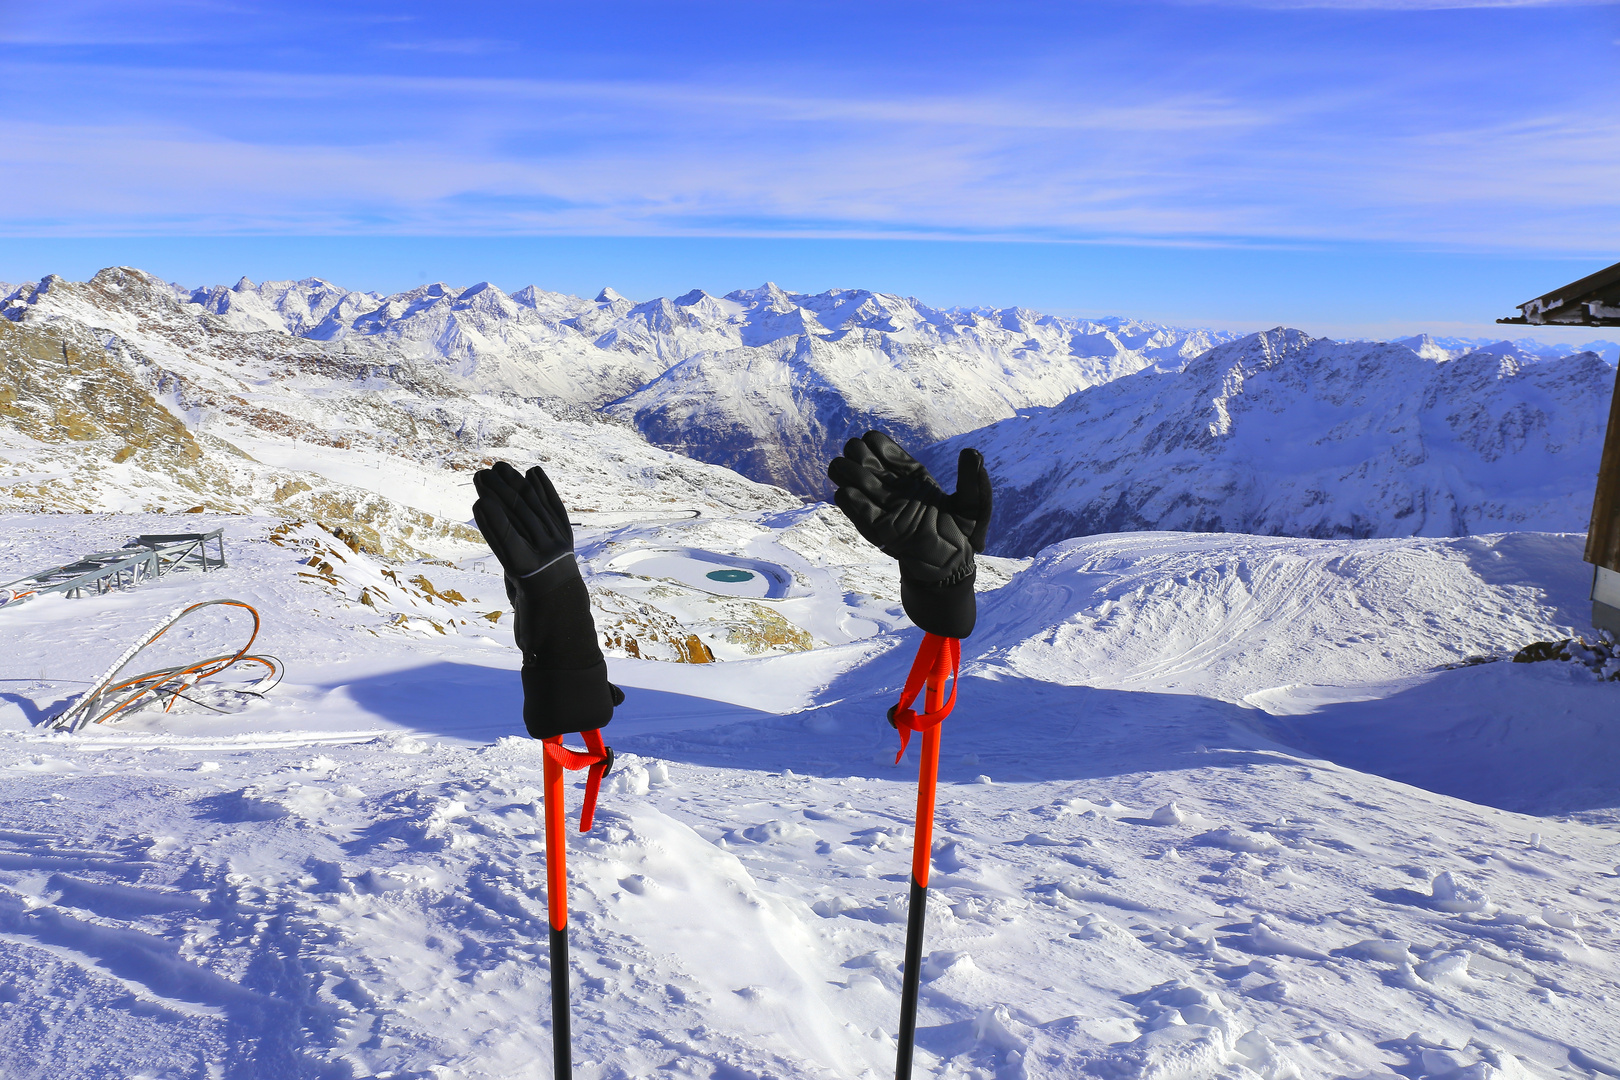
pixel 972 497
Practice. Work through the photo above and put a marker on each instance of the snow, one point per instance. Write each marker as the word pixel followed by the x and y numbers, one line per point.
pixel 1284 433
pixel 173 410
pixel 777 399
pixel 1212 804
pixel 1139 872
pixel 764 381
pixel 535 342
pixel 1450 348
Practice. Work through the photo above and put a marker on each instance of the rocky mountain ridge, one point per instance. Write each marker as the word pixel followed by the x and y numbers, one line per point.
pixel 764 381
pixel 1526 349
pixel 1284 434
pixel 124 395
pixel 370 409
pixel 780 405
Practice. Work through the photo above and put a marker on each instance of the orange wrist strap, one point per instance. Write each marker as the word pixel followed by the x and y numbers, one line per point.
pixel 596 757
pixel 937 657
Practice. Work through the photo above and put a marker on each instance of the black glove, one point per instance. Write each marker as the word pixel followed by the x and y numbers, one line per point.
pixel 897 506
pixel 565 685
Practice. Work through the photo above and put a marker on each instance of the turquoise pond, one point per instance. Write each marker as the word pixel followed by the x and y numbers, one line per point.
pixel 729 575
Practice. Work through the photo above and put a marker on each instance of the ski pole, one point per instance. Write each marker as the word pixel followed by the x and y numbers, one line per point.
pixel 559 758
pixel 557 909
pixel 893 501
pixel 921 858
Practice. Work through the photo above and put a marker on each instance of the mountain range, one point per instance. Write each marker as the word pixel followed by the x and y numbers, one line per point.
pixel 1284 434
pixel 306 397
pixel 766 382
pixel 1529 349
pixel 123 395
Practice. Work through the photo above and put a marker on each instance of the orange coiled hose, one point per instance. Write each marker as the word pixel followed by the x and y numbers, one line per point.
pixel 173 681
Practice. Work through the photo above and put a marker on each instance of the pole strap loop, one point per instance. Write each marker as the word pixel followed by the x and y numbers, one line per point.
pixel 937 656
pixel 597 757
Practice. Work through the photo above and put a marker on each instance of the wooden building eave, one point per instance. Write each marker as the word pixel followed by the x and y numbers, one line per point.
pixel 1594 300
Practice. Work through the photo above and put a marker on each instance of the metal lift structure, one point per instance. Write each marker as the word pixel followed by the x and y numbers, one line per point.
pixel 142 559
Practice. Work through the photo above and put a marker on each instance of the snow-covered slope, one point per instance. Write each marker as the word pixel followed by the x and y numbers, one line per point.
pixel 590 352
pixel 1449 348
pixel 764 381
pixel 127 396
pixel 1163 609
pixel 1281 433
pixel 1136 878
pixel 812 371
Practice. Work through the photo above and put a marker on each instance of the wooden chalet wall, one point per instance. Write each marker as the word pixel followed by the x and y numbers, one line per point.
pixel 1603 534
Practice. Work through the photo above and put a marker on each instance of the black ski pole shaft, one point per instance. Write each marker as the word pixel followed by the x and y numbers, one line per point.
pixel 910 979
pixel 561 1029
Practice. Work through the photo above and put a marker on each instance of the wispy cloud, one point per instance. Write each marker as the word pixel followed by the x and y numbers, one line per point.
pixel 1402 5
pixel 112 23
pixel 743 106
pixel 869 184
pixel 1243 144
pixel 450 46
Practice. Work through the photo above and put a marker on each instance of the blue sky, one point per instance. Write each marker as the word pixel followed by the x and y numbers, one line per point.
pixel 1345 167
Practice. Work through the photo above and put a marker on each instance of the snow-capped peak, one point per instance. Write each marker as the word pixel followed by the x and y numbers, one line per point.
pixel 1287 434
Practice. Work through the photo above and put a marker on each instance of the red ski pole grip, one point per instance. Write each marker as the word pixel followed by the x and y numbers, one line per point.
pixel 938 658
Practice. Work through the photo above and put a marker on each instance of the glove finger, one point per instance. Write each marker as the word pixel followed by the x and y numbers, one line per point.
pixel 618 695
pixel 535 500
pixel 981 524
pixel 506 473
pixel 525 525
pixel 857 452
pixel 847 474
pixel 484 482
pixel 862 512
pixel 487 526
pixel 894 456
pixel 846 471
pixel 542 499
pixel 969 470
pixel 970 504
pixel 515 553
pixel 549 491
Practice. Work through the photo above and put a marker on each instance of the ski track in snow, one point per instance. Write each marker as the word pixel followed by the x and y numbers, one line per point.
pixel 1142 868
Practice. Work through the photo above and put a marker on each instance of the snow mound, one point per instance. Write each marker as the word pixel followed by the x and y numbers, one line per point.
pixel 1233 616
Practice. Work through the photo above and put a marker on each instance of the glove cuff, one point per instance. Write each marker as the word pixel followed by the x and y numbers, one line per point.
pixel 948 610
pixel 558 702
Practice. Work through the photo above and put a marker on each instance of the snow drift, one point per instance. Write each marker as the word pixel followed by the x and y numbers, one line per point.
pixel 1138 876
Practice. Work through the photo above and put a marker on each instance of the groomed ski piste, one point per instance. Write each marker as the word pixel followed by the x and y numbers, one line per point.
pixel 1210 806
